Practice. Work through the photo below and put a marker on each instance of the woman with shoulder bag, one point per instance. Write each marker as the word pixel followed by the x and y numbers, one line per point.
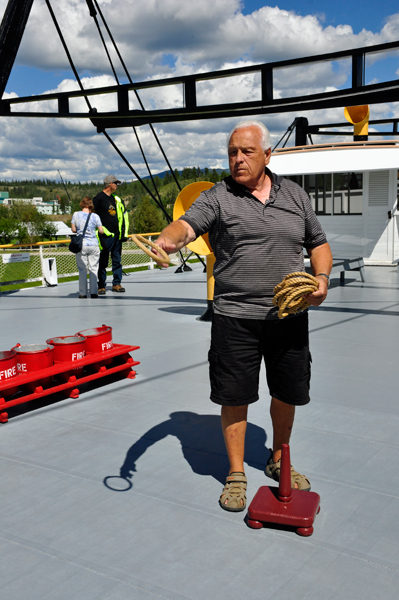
pixel 86 222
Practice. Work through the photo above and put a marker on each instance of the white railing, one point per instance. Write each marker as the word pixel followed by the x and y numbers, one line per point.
pixel 21 264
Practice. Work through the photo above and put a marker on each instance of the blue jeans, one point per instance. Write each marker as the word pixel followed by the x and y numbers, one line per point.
pixel 114 247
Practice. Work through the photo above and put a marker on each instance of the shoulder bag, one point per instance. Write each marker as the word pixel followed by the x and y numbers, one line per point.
pixel 76 242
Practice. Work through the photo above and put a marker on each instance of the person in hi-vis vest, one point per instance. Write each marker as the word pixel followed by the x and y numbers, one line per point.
pixel 114 219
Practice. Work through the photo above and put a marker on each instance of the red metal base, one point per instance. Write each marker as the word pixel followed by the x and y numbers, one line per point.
pixel 121 362
pixel 283 505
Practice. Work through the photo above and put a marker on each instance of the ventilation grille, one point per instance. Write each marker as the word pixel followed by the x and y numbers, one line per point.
pixel 379 188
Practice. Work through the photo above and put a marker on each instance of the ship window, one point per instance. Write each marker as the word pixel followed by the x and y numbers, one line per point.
pixel 333 194
pixel 319 189
pixel 298 179
pixel 348 193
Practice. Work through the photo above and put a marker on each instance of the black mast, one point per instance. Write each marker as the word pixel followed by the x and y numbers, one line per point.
pixel 11 31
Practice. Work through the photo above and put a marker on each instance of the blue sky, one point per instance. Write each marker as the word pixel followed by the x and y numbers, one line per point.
pixel 161 38
pixel 371 16
pixel 368 14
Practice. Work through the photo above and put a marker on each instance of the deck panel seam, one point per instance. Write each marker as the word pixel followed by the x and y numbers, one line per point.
pixel 86 565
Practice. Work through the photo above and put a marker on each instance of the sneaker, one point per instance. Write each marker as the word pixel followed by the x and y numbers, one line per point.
pixel 101 291
pixel 82 296
pixel 93 295
pixel 117 288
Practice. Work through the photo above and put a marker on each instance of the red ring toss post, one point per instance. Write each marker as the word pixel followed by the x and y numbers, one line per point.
pixel 284 505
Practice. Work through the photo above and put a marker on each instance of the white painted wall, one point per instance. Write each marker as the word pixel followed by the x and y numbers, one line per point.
pixel 340 159
pixel 371 235
pixel 344 234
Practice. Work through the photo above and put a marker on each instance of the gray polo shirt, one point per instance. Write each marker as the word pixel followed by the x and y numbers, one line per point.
pixel 256 245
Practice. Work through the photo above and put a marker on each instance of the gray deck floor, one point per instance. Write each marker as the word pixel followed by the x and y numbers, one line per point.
pixel 66 535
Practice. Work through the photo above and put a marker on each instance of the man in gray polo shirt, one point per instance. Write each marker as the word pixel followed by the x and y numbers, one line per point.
pixel 258 225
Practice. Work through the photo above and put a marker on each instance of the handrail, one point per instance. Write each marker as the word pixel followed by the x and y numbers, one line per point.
pixel 391 144
pixel 35 244
pixel 55 242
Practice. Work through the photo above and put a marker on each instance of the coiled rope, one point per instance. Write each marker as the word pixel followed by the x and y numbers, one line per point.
pixel 143 242
pixel 289 294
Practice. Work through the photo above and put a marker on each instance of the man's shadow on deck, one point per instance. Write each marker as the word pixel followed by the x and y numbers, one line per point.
pixel 202 444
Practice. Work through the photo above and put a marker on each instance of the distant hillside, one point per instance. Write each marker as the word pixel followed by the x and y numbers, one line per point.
pixel 163 173
pixel 147 206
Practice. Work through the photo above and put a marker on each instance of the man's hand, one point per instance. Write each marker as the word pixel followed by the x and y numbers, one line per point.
pixel 321 261
pixel 167 245
pixel 175 235
pixel 317 297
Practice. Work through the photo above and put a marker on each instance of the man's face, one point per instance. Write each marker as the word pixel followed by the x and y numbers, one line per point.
pixel 247 159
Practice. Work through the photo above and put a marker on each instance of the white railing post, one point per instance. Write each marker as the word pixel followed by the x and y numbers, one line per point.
pixel 42 265
pixel 152 263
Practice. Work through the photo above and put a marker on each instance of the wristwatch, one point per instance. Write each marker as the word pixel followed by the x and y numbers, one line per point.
pixel 326 276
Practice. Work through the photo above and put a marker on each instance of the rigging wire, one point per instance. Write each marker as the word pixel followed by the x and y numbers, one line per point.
pixel 161 206
pixel 93 110
pixel 93 13
pixel 146 163
pixel 66 189
pixel 68 54
pixel 135 91
pixel 287 133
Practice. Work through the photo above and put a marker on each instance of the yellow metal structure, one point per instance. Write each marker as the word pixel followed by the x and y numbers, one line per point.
pixel 359 117
pixel 183 202
pixel 201 245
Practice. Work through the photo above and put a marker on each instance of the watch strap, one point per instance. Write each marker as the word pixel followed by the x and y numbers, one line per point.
pixel 324 275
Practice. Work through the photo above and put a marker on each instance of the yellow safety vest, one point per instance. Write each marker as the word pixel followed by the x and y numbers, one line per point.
pixel 123 221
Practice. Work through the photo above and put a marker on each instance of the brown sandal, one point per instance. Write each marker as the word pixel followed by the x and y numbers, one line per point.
pixel 273 470
pixel 234 492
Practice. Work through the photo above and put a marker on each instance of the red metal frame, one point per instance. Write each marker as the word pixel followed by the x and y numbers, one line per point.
pixel 123 364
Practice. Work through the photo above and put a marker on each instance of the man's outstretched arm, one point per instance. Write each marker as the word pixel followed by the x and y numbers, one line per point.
pixel 175 236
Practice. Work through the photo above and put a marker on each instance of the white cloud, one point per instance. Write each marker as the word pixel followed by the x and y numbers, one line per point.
pixel 168 38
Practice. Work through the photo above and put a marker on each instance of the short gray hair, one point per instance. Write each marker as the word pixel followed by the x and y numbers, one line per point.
pixel 263 129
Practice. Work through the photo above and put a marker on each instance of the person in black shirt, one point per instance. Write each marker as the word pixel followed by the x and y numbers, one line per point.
pixel 114 219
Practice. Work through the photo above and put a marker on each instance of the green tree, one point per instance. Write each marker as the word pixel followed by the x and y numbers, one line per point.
pixel 35 224
pixel 146 218
pixel 214 176
pixel 46 229
pixel 64 203
pixel 168 178
pixel 24 211
pixel 11 230
pixel 186 173
pixel 169 198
